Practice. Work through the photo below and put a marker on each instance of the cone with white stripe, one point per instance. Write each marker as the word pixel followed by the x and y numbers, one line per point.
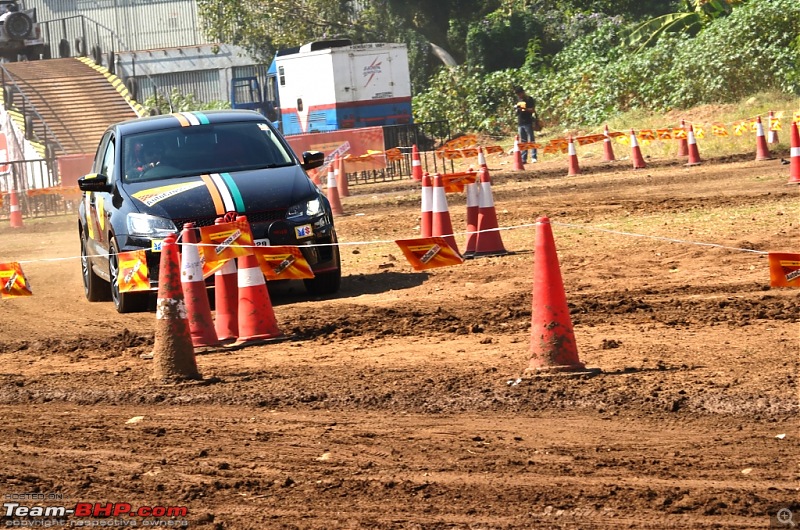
pixel 15 214
pixel 426 219
pixel 416 163
pixel 636 152
pixel 473 206
pixel 257 320
pixel 608 148
pixel 683 141
pixel 574 168
pixel 489 241
pixel 226 302
pixel 198 308
pixel 795 157
pixel 773 134
pixel 482 159
pixel 518 165
pixel 441 223
pixel 341 178
pixel 332 193
pixel 694 152
pixel 762 149
pixel 173 352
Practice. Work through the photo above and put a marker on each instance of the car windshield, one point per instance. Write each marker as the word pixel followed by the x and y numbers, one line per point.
pixel 202 149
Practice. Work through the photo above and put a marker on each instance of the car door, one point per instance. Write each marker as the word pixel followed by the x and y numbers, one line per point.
pixel 98 202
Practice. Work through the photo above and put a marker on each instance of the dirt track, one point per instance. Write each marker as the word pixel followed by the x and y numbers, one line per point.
pixel 399 404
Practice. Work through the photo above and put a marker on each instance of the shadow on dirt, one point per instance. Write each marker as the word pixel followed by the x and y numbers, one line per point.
pixel 352 286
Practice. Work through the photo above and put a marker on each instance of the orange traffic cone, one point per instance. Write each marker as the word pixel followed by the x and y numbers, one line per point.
pixel 518 165
pixel 636 153
pixel 333 193
pixel 416 163
pixel 683 142
pixel 441 224
pixel 257 320
pixel 426 220
pixel 762 150
pixel 794 160
pixel 15 214
pixel 608 148
pixel 473 206
pixel 553 347
pixel 773 133
pixel 574 168
pixel 201 324
pixel 226 302
pixel 173 352
pixel 341 179
pixel 694 153
pixel 489 241
pixel 482 159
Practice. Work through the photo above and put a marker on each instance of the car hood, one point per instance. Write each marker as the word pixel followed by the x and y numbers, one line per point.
pixel 216 194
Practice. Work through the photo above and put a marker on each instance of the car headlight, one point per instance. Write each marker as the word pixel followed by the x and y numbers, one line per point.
pixel 144 225
pixel 309 209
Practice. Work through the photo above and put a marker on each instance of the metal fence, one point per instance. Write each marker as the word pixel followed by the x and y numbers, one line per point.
pixel 35 183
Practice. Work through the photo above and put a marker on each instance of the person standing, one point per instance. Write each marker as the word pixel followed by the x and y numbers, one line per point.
pixel 526 114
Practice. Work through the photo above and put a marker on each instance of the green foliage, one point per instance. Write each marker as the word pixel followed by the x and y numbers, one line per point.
pixel 177 101
pixel 500 40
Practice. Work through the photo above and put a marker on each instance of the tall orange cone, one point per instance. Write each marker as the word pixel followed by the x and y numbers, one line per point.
pixel 482 159
pixel 518 165
pixel 773 133
pixel 441 223
pixel 795 156
pixel 683 141
pixel 332 193
pixel 694 153
pixel 574 168
pixel 489 241
pixel 636 152
pixel 426 219
pixel 416 163
pixel 553 347
pixel 173 352
pixel 256 317
pixel 226 302
pixel 341 179
pixel 608 148
pixel 15 214
pixel 201 324
pixel 473 206
pixel 762 149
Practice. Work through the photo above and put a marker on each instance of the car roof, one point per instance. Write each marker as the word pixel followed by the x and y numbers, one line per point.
pixel 171 121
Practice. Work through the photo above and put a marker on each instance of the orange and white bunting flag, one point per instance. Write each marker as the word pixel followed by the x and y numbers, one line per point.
pixel 283 263
pixel 740 128
pixel 226 241
pixel 796 117
pixel 493 149
pixel 13 282
pixel 775 124
pixel 784 270
pixel 679 133
pixel 699 133
pixel 428 253
pixel 664 134
pixel 133 272
pixel 718 129
pixel 210 267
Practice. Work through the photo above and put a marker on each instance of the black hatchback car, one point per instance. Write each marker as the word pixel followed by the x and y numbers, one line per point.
pixel 153 175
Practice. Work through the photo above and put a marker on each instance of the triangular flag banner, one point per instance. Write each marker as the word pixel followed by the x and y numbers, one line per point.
pixel 784 270
pixel 226 241
pixel 133 272
pixel 428 253
pixel 13 282
pixel 210 267
pixel 283 263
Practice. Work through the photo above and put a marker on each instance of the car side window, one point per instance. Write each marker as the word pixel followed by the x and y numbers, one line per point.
pixel 107 165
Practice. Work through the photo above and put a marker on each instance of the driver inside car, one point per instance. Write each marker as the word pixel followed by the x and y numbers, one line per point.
pixel 145 156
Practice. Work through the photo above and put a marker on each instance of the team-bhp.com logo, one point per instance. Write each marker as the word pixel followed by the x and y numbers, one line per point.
pixel 93 514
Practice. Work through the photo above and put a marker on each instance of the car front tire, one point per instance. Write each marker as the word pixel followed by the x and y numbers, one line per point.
pixel 326 282
pixel 94 288
pixel 124 302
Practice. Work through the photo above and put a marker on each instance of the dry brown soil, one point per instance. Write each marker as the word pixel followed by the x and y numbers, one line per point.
pixel 402 402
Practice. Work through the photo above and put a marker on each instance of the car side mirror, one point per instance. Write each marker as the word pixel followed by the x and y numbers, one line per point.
pixel 313 159
pixel 94 182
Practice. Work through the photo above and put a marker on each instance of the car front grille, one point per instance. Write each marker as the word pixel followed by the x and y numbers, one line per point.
pixel 266 216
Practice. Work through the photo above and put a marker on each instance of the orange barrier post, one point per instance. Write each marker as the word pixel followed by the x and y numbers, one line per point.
pixel 773 134
pixel 416 163
pixel 226 303
pixel 794 161
pixel 332 193
pixel 694 153
pixel 636 153
pixel 518 165
pixel 257 320
pixel 473 206
pixel 553 347
pixel 15 214
pixel 426 219
pixel 173 352
pixel 341 179
pixel 683 142
pixel 201 324
pixel 608 148
pixel 762 150
pixel 574 168
pixel 441 223
pixel 489 242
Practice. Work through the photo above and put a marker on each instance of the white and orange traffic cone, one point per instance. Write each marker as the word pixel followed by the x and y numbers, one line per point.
pixel 489 241
pixel 773 132
pixel 441 223
pixel 15 214
pixel 173 352
pixel 332 193
pixel 694 152
pixel 683 141
pixel 574 168
pixel 608 148
pixel 257 320
pixel 198 308
pixel 482 159
pixel 473 205
pixel 226 302
pixel 762 149
pixel 794 161
pixel 636 152
pixel 341 178
pixel 518 165
pixel 416 163
pixel 426 219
